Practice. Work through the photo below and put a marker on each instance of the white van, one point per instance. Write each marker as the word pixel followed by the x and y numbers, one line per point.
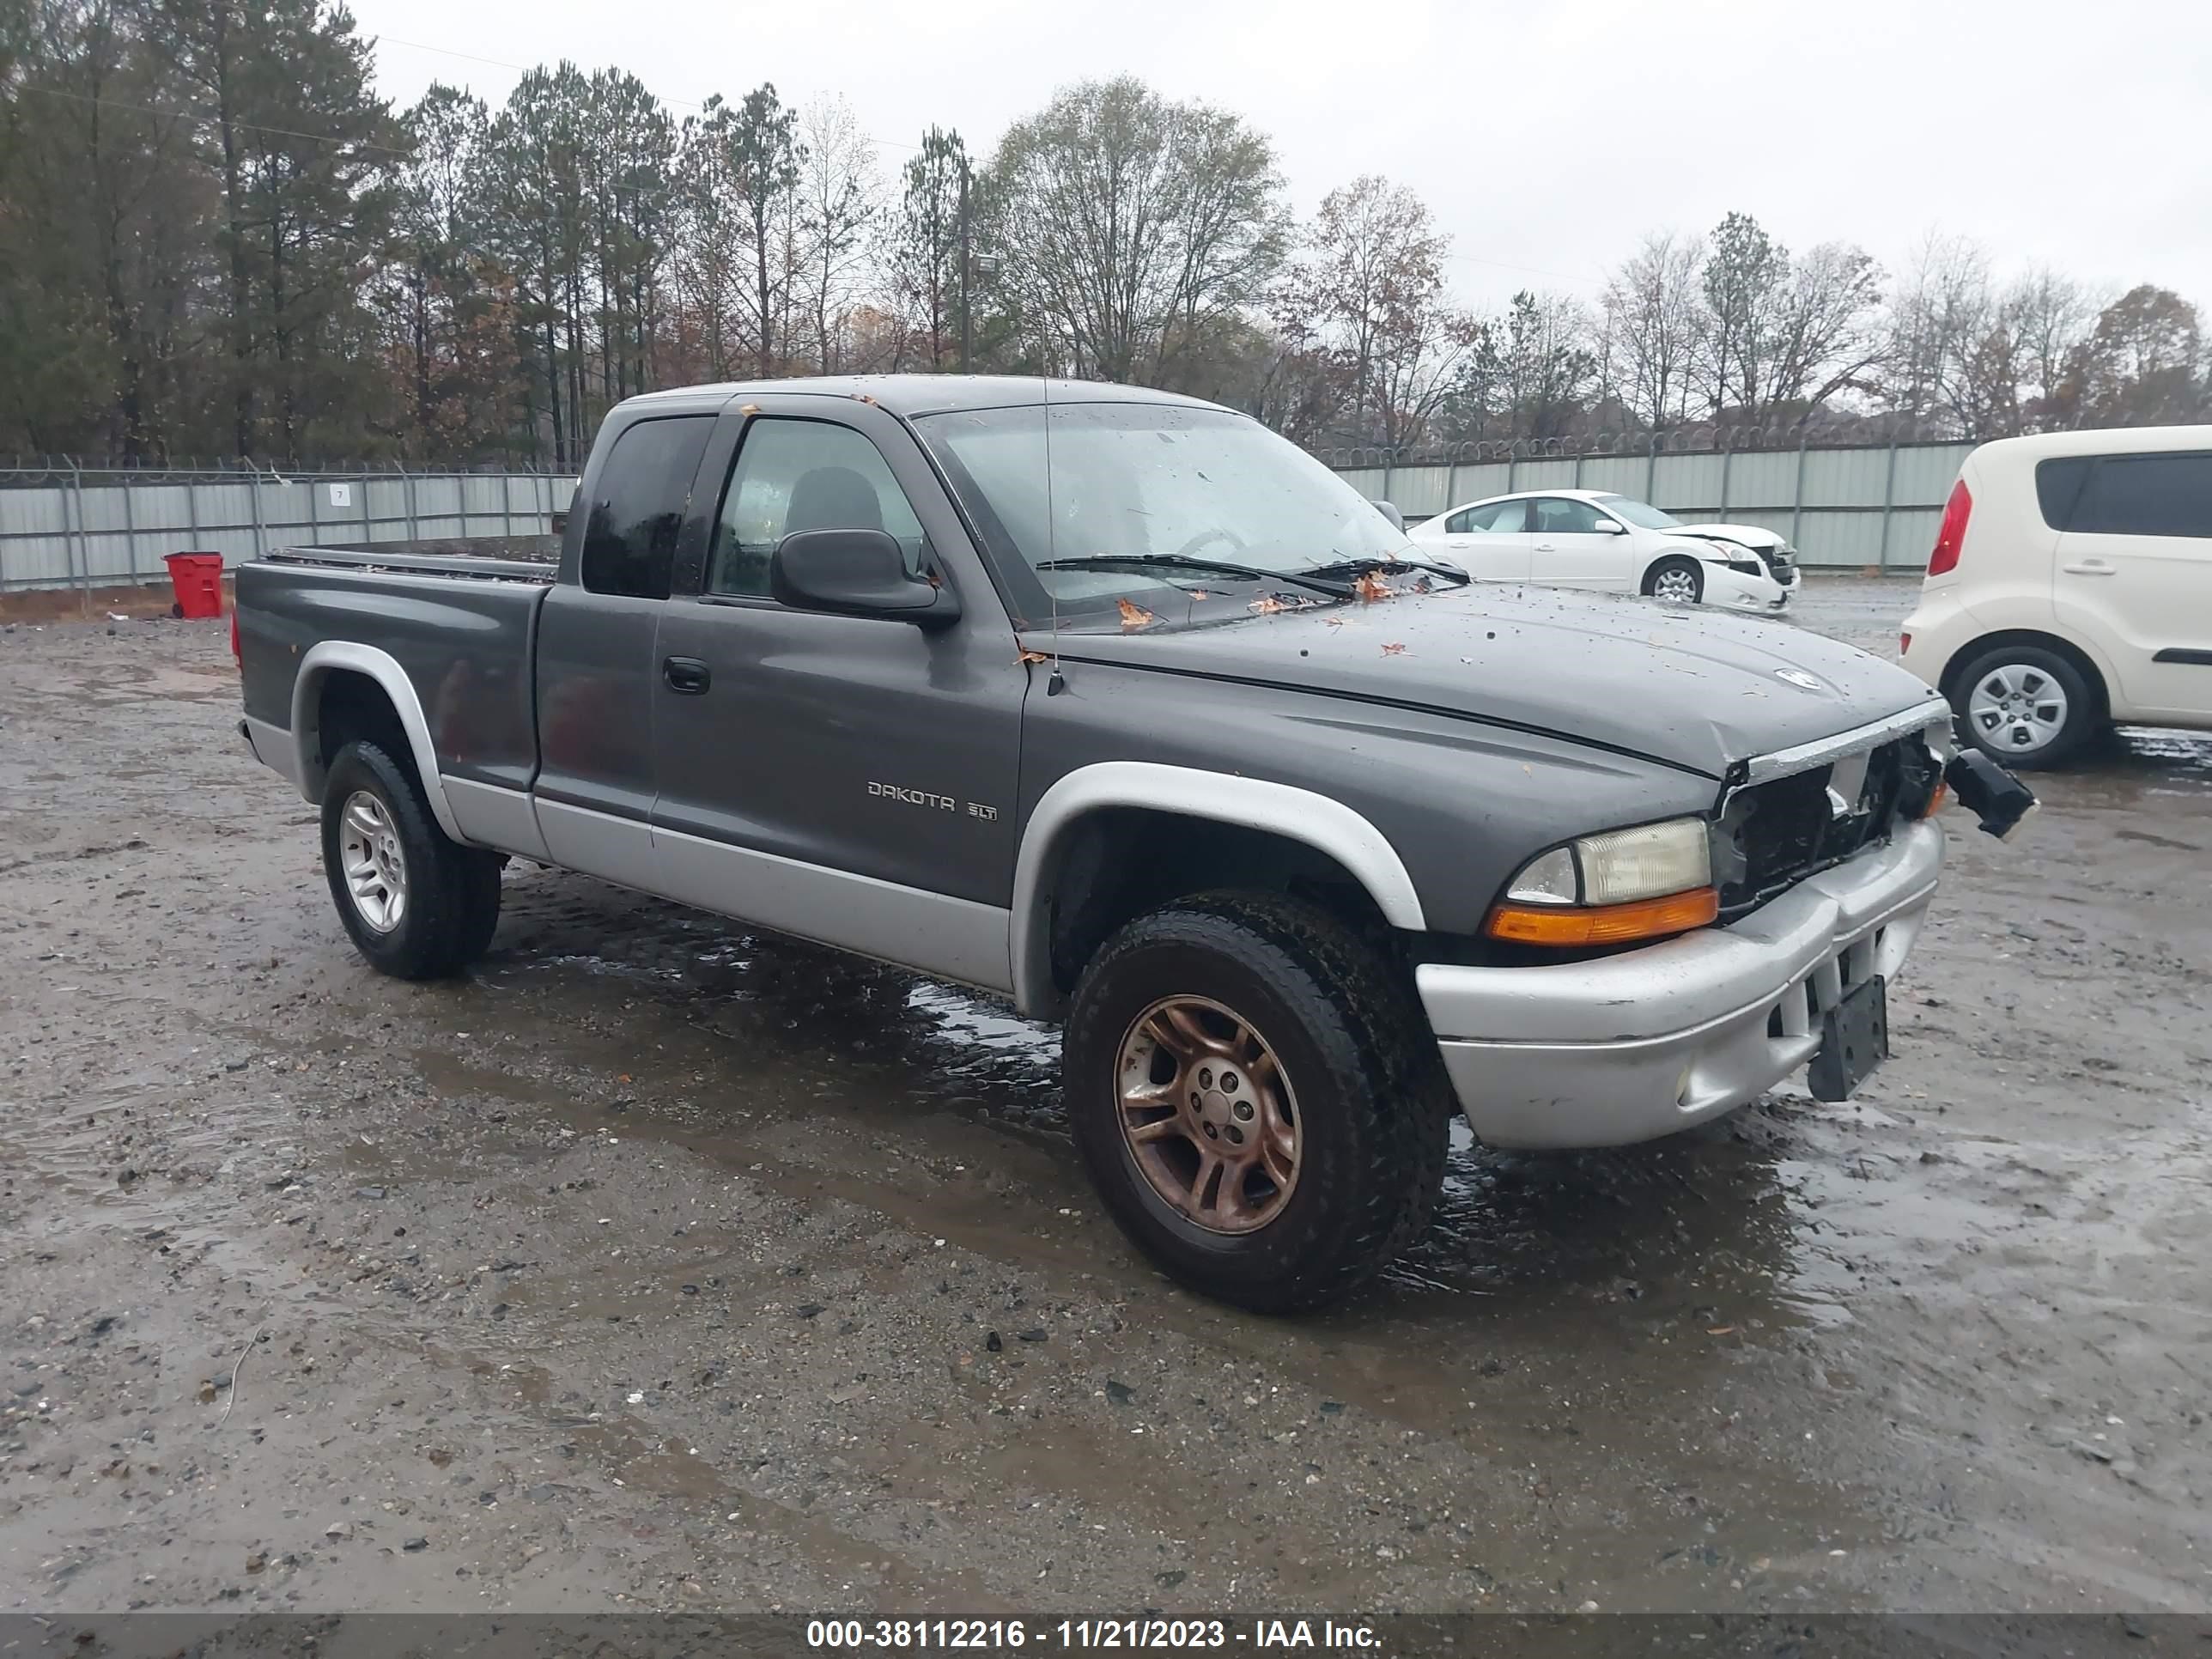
pixel 2070 589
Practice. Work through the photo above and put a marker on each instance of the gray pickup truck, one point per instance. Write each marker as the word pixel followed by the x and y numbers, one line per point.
pixel 1121 706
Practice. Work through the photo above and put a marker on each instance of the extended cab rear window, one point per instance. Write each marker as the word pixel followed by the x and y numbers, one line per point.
pixel 2128 495
pixel 638 503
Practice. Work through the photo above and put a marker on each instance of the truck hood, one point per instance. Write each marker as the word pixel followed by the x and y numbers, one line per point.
pixel 1694 690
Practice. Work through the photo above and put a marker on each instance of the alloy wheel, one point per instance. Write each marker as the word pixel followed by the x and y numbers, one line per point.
pixel 375 864
pixel 1209 1114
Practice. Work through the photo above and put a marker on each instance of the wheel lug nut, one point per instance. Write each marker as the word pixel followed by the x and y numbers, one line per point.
pixel 1229 1083
pixel 1212 1133
pixel 1243 1109
pixel 1237 1135
pixel 1206 1080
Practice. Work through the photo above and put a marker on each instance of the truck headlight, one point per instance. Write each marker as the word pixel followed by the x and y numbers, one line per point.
pixel 1627 885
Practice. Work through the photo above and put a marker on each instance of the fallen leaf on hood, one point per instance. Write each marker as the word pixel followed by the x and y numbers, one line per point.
pixel 1033 656
pixel 1334 622
pixel 1393 649
pixel 1371 587
pixel 1135 616
pixel 1721 1330
pixel 748 408
pixel 1198 592
pixel 1267 604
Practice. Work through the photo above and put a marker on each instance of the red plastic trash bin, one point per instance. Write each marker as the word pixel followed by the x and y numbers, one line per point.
pixel 197 579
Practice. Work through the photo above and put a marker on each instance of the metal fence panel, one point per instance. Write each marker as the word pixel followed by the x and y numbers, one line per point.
pixel 1925 473
pixel 1760 481
pixel 62 529
pixel 1420 491
pixel 1844 508
pixel 1623 475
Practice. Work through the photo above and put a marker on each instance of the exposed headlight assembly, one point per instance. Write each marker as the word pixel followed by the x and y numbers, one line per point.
pixel 1626 885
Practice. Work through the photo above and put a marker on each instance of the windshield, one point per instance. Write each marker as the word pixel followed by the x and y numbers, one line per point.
pixel 1143 481
pixel 1642 514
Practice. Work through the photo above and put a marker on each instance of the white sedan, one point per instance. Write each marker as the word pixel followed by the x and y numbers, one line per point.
pixel 1590 538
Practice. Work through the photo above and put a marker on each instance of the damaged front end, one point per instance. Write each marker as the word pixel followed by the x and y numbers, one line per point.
pixel 1999 800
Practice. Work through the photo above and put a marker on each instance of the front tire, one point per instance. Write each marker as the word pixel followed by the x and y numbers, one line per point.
pixel 1677 579
pixel 1257 1099
pixel 416 904
pixel 2026 707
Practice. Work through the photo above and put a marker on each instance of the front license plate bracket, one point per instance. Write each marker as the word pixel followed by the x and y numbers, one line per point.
pixel 1854 1040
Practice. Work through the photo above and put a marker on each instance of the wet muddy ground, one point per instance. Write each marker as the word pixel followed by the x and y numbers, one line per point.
pixel 658 1264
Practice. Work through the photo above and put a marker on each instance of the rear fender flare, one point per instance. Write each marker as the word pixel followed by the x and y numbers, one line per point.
pixel 381 666
pixel 1301 815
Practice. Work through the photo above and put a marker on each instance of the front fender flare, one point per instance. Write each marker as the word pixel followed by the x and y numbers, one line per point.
pixel 1303 815
pixel 332 655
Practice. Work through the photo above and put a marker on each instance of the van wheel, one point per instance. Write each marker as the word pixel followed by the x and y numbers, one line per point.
pixel 1676 578
pixel 2026 706
pixel 416 904
pixel 1257 1098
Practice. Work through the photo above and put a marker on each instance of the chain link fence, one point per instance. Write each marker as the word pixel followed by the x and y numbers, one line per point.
pixel 66 527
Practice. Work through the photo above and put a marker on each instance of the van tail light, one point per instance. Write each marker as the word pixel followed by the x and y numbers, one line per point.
pixel 1951 534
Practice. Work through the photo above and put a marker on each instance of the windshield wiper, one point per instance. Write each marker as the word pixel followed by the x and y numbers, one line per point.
pixel 1204 567
pixel 1368 566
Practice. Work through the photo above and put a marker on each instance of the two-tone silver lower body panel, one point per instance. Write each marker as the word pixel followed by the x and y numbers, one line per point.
pixel 1635 1046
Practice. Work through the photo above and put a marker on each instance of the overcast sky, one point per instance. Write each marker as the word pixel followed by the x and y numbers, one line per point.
pixel 1546 137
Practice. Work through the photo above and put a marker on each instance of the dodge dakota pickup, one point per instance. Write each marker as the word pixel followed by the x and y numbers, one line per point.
pixel 1121 706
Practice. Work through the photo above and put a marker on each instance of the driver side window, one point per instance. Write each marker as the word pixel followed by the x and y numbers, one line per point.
pixel 794 475
pixel 1562 515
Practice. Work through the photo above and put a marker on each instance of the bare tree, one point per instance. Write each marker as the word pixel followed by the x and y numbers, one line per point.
pixel 838 209
pixel 1822 334
pixel 1127 224
pixel 1744 274
pixel 1545 363
pixel 1942 309
pixel 1369 288
pixel 2050 317
pixel 1654 318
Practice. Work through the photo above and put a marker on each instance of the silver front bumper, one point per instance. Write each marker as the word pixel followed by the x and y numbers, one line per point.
pixel 1635 1046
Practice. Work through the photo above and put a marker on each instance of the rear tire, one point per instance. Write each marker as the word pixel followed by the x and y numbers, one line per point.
pixel 2026 707
pixel 1677 578
pixel 416 904
pixel 1338 1053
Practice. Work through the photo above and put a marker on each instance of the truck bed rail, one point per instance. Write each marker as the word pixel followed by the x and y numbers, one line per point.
pixel 400 561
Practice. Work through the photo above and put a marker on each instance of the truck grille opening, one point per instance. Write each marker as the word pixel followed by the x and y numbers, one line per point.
pixel 1773 835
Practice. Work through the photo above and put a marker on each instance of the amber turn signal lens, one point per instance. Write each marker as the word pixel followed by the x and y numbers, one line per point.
pixel 1939 799
pixel 1604 924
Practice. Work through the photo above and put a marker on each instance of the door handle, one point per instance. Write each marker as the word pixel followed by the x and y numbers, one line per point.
pixel 685 674
pixel 2091 567
pixel 1545 547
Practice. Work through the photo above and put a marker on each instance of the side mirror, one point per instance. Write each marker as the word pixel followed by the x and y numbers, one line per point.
pixel 1610 527
pixel 1397 519
pixel 855 573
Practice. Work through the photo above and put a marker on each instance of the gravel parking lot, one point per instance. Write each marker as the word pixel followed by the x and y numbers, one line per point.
pixel 657 1264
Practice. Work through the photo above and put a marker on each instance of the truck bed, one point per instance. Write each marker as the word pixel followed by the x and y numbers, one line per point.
pixel 459 626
